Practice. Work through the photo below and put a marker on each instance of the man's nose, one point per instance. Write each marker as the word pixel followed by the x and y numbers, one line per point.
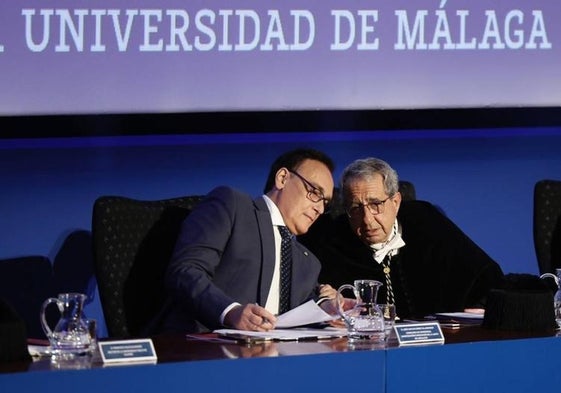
pixel 319 207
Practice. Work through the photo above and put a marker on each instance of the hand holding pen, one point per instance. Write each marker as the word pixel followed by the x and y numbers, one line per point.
pixel 250 317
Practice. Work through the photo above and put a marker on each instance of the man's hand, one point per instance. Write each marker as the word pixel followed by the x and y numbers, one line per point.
pixel 479 311
pixel 250 317
pixel 327 291
pixel 330 306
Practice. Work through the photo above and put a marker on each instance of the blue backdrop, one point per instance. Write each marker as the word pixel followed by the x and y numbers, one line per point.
pixel 483 179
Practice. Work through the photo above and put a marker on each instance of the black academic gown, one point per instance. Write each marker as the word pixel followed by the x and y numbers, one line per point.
pixel 439 269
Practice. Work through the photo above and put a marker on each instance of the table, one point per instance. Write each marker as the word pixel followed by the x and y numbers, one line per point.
pixel 472 359
pixel 477 360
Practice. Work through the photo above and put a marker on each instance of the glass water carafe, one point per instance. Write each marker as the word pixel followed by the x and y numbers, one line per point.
pixel 365 320
pixel 70 336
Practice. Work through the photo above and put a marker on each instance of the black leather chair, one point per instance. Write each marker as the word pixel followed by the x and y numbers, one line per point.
pixel 407 190
pixel 132 244
pixel 25 283
pixel 547 224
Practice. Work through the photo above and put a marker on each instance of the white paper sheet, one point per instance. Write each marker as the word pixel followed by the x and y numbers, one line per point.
pixel 299 334
pixel 461 315
pixel 39 350
pixel 304 314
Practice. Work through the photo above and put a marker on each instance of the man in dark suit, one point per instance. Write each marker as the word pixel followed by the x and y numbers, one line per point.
pixel 426 263
pixel 225 270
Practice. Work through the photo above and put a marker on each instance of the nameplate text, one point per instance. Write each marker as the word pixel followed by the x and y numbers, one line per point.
pixel 419 333
pixel 141 350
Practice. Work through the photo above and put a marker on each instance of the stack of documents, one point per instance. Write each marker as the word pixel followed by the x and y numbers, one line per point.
pixel 306 314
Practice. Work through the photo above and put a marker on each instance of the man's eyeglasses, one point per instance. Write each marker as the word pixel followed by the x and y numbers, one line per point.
pixel 314 194
pixel 374 207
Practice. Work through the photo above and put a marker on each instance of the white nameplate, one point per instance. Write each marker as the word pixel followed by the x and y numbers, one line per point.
pixel 141 350
pixel 419 333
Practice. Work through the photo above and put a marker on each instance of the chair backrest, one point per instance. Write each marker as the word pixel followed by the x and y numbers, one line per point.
pixel 132 244
pixel 25 283
pixel 407 190
pixel 547 224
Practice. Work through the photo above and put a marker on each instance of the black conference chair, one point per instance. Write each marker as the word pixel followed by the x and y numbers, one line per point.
pixel 547 225
pixel 407 190
pixel 25 283
pixel 132 244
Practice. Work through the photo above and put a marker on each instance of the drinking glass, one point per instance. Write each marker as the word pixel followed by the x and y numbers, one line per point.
pixel 92 330
pixel 388 311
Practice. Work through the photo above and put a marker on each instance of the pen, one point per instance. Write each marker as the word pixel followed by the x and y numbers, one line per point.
pixel 265 320
pixel 450 325
pixel 314 338
pixel 244 339
pixel 308 338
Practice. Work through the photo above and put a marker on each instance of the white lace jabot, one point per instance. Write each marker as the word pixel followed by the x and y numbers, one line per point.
pixel 391 246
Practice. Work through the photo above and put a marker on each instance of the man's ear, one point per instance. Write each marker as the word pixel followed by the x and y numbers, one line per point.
pixel 397 200
pixel 281 177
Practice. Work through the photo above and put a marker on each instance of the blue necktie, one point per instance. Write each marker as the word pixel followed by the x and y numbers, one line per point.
pixel 285 269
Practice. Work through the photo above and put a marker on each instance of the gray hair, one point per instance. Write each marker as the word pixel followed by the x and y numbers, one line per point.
pixel 365 169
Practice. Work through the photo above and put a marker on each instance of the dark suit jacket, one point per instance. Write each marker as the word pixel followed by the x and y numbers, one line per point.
pixel 225 253
pixel 438 270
